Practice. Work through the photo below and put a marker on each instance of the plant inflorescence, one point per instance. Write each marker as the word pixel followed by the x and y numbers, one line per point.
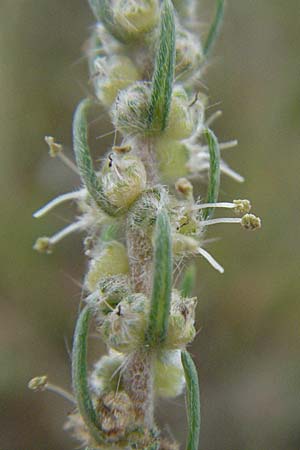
pixel 143 214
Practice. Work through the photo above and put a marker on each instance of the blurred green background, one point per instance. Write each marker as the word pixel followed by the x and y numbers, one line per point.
pixel 248 347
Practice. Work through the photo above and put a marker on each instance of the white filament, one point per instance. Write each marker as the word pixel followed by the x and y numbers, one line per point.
pixel 57 201
pixel 210 259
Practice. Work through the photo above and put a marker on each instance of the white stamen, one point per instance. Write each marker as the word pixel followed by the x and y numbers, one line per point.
pixel 224 169
pixel 229 144
pixel 210 259
pixel 76 226
pixel 61 392
pixel 68 162
pixel 213 118
pixel 216 205
pixel 57 201
pixel 205 223
pixel 231 173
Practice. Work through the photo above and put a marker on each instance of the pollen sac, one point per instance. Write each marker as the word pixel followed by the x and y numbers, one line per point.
pixel 124 329
pixel 112 74
pixel 130 110
pixel 123 179
pixel 106 376
pixel 168 374
pixel 184 117
pixel 172 157
pixel 189 54
pixel 117 415
pixel 181 323
pixel 251 222
pixel 135 18
pixel 112 260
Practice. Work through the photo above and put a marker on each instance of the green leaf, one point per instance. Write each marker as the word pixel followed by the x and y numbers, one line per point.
pixel 84 160
pixel 188 281
pixel 79 375
pixel 215 28
pixel 163 76
pixel 162 282
pixel 192 400
pixel 214 173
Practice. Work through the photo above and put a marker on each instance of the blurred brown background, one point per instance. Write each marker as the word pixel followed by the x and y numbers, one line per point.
pixel 248 349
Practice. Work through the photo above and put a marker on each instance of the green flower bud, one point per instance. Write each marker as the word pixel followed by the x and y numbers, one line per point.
pixel 123 180
pixel 135 18
pixel 130 111
pixel 106 375
pixel 124 329
pixel 172 157
pixel 143 213
pixel 112 260
pixel 168 374
pixel 111 291
pixel 189 54
pixel 113 74
pixel 181 323
pixel 184 117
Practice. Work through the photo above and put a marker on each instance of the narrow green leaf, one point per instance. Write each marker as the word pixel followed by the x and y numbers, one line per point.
pixel 192 400
pixel 214 173
pixel 215 28
pixel 162 282
pixel 84 160
pixel 163 76
pixel 188 281
pixel 79 375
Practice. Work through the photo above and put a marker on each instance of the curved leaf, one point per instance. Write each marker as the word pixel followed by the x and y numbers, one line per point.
pixel 163 76
pixel 162 282
pixel 215 28
pixel 84 160
pixel 214 173
pixel 192 400
pixel 79 375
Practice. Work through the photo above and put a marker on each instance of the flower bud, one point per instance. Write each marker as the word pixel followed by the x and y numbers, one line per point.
pixel 130 111
pixel 111 291
pixel 112 260
pixel 123 179
pixel 106 375
pixel 184 117
pixel 124 329
pixel 168 374
pixel 134 18
pixel 172 157
pixel 113 73
pixel 181 323
pixel 144 212
pixel 189 54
